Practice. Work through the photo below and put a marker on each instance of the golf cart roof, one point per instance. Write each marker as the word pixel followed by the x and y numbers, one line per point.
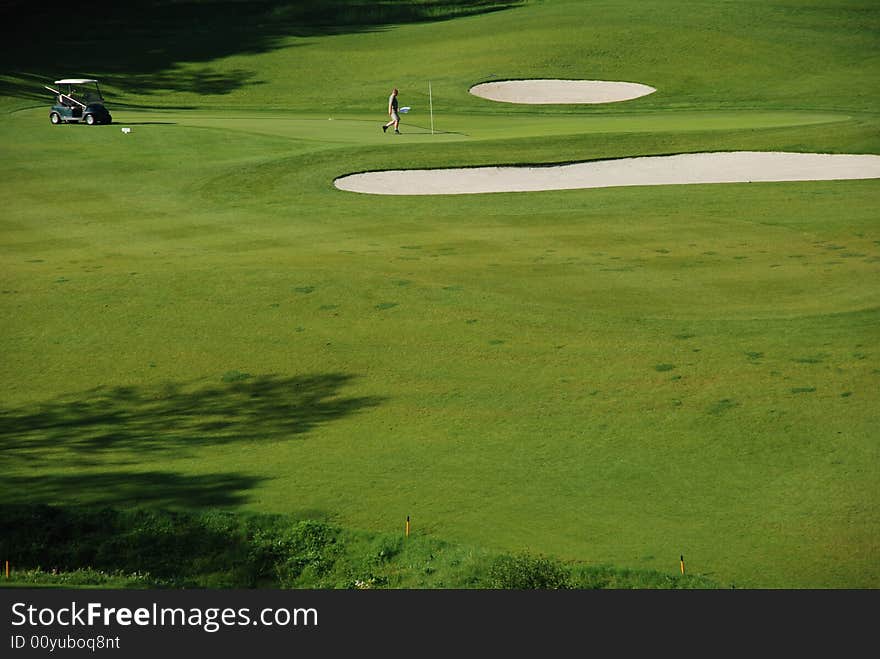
pixel 74 81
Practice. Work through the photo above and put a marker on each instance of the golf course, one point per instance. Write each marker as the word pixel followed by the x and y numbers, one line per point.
pixel 205 337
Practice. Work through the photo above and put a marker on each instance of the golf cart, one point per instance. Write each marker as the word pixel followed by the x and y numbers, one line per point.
pixel 78 100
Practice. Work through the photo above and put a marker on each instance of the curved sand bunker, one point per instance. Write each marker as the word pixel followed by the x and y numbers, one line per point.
pixel 682 169
pixel 547 92
pixel 694 168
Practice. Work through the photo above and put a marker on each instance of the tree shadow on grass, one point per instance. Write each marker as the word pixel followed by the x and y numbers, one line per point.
pixel 133 45
pixel 125 489
pixel 110 421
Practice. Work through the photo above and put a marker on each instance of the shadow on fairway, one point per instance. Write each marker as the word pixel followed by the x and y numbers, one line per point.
pixel 159 489
pixel 132 45
pixel 106 422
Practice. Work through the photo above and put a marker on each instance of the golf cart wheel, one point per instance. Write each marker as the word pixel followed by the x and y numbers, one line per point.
pixel 90 119
pixel 55 118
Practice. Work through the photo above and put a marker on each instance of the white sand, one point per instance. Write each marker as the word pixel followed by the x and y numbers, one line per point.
pixel 722 167
pixel 546 92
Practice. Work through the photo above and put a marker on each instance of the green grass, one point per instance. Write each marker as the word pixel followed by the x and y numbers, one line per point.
pixel 195 318
pixel 142 548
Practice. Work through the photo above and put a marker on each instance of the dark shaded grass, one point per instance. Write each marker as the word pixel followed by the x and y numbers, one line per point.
pixel 177 549
pixel 133 44
pixel 148 419
pixel 128 487
pixel 153 548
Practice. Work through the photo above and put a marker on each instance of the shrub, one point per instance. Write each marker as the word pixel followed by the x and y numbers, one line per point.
pixel 524 572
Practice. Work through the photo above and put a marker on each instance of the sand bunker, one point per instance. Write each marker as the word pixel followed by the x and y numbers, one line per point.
pixel 682 169
pixel 721 167
pixel 547 92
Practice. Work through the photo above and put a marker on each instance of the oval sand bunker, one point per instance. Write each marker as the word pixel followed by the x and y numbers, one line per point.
pixel 546 92
pixel 692 168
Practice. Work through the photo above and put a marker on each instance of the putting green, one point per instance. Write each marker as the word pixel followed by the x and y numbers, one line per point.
pixel 743 167
pixel 416 126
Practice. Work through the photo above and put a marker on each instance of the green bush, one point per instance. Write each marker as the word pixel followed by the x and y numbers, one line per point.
pixel 308 552
pixel 139 548
pixel 177 549
pixel 524 572
pixel 83 577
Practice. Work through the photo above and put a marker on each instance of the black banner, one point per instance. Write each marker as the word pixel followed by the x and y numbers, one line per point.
pixel 166 623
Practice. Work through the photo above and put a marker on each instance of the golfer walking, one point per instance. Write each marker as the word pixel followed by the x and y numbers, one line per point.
pixel 393 113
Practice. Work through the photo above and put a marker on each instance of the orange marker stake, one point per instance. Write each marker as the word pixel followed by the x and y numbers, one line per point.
pixel 407 526
pixel 682 564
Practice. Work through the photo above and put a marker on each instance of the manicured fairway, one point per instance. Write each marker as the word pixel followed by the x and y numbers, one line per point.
pixel 416 127
pixel 194 317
